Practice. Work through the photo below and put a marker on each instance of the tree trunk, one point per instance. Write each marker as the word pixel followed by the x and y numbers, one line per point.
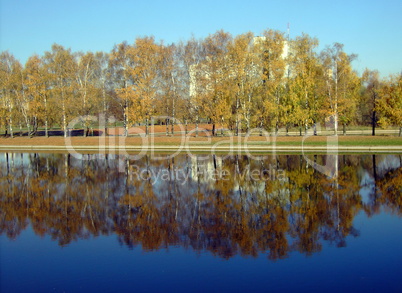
pixel 336 123
pixel 85 131
pixel 336 99
pixel 10 121
pixel 185 127
pixel 64 114
pixel 196 127
pixel 374 118
pixel 167 126
pixel 146 127
pixel 46 128
pixel 125 119
pixel 248 113
pixel 373 123
pixel 344 128
pixel 237 117
pixel 222 127
pixel 29 129
pixel 35 128
pixel 46 123
pixel 104 110
pixel 400 131
pixel 64 121
pixel 300 130
pixel 173 111
pixel 261 128
pixel 213 129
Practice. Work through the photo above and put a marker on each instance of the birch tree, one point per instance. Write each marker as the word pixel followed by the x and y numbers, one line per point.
pixel 10 87
pixel 61 68
pixel 341 83
pixel 37 87
pixel 171 85
pixel 371 96
pixel 390 103
pixel 303 90
pixel 102 83
pixel 88 92
pixel 244 78
pixel 212 76
pixel 146 56
pixel 120 64
pixel 194 55
pixel 273 50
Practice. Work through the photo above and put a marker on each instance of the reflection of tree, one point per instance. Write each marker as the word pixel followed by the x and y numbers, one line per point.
pixel 72 199
pixel 390 187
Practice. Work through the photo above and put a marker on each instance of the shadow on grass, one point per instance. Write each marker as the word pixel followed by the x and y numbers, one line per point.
pixel 42 133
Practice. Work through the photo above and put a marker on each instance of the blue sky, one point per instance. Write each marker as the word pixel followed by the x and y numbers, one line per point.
pixel 371 29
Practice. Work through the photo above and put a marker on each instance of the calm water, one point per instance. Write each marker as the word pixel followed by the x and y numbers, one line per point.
pixel 207 223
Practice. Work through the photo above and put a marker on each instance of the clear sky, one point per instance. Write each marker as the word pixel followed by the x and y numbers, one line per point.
pixel 371 28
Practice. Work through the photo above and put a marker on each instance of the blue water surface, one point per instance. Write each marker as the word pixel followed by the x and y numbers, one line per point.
pixel 369 263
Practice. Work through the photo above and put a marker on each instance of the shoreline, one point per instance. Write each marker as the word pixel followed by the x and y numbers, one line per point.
pixel 187 144
pixel 203 149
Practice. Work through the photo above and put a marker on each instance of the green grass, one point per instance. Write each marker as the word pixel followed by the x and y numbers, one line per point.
pixel 372 141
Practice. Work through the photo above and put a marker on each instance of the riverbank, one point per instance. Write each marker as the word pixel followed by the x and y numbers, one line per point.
pixel 236 144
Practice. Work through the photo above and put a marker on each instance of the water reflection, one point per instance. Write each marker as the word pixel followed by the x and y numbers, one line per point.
pixel 226 206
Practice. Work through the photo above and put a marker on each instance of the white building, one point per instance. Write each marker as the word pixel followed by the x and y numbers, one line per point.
pixel 198 71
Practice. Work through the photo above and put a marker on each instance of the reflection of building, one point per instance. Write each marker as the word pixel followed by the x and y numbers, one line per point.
pixel 285 51
pixel 205 170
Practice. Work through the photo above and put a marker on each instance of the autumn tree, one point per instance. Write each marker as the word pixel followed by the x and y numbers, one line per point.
pixel 102 74
pixel 146 56
pixel 239 83
pixel 274 51
pixel 136 69
pixel 171 81
pixel 213 95
pixel 390 103
pixel 342 85
pixel 88 93
pixel 193 56
pixel 37 88
pixel 10 87
pixel 370 96
pixel 61 68
pixel 303 90
pixel 244 78
pixel 120 64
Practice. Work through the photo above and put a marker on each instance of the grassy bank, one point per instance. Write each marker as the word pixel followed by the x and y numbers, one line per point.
pixel 205 141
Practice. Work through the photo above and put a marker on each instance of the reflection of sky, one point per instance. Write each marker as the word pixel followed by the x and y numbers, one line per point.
pixel 389 162
pixel 384 164
pixel 367 186
pixel 369 263
pixel 94 262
